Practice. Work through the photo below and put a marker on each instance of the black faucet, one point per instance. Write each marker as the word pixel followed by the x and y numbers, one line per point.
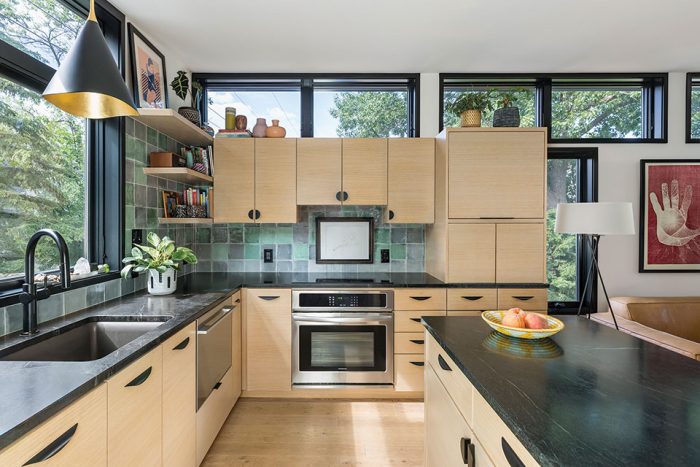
pixel 29 295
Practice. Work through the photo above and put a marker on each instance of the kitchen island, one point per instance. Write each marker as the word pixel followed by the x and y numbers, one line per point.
pixel 589 395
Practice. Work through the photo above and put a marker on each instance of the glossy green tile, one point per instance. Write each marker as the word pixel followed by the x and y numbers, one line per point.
pixel 251 251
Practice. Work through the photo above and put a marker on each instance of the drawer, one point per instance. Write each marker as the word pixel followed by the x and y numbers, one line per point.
pixel 409 321
pixel 213 413
pixel 409 342
pixel 527 299
pixel 495 435
pixel 408 372
pixel 451 376
pixel 419 299
pixel 472 299
pixel 83 424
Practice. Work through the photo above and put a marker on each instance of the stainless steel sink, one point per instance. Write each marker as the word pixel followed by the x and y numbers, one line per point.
pixel 86 340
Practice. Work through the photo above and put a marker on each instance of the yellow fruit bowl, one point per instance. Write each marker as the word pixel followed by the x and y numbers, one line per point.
pixel 494 319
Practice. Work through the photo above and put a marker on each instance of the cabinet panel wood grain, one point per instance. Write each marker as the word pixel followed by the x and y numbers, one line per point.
pixel 472 299
pixel 409 343
pixel 419 299
pixel 411 186
pixel 234 180
pixel 237 345
pixel 520 253
pixel 409 320
pixel 408 372
pixel 471 253
pixel 275 180
pixel 365 171
pixel 319 171
pixel 212 415
pixel 527 299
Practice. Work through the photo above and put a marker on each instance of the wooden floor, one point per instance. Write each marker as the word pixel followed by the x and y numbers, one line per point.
pixel 320 433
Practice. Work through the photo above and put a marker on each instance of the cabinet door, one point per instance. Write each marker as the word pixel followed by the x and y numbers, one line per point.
pixel 134 413
pixel 237 346
pixel 268 328
pixel 212 415
pixel 364 171
pixel 471 253
pixel 411 192
pixel 497 174
pixel 520 253
pixel 234 179
pixel 276 180
pixel 81 428
pixel 179 398
pixel 319 171
pixel 445 429
pixel 408 372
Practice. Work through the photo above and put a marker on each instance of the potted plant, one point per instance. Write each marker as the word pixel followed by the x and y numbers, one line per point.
pixel 508 115
pixel 161 260
pixel 181 86
pixel 469 105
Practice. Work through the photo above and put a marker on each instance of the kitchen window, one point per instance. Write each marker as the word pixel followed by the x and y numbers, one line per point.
pixel 56 170
pixel 692 108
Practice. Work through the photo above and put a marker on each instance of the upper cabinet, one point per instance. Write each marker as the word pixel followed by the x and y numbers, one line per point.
pixel 497 174
pixel 234 179
pixel 319 171
pixel 411 184
pixel 365 171
pixel 275 180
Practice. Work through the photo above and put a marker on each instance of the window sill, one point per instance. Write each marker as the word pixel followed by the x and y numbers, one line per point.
pixel 11 296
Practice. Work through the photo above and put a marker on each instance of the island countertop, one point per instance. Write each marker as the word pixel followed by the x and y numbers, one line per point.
pixel 590 395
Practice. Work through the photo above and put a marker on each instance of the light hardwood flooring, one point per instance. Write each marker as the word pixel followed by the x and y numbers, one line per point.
pixel 320 433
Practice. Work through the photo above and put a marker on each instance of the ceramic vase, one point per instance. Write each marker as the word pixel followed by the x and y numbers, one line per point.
pixel 471 118
pixel 162 283
pixel 275 131
pixel 260 128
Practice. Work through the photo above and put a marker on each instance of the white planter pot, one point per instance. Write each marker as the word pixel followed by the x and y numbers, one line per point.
pixel 162 283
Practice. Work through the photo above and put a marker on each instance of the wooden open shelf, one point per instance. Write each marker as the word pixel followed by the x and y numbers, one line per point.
pixel 185 220
pixel 171 123
pixel 180 174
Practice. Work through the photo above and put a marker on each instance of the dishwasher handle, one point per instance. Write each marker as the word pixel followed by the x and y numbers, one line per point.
pixel 208 326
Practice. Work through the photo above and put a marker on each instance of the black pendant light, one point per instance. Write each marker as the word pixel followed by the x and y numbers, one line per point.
pixel 88 83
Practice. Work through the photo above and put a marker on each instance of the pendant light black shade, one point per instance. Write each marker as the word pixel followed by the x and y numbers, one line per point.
pixel 88 83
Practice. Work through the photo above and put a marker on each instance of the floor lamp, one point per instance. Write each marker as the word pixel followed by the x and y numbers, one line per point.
pixel 593 221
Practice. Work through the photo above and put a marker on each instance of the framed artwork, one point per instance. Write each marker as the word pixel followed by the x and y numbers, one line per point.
pixel 344 240
pixel 147 72
pixel 170 202
pixel 669 230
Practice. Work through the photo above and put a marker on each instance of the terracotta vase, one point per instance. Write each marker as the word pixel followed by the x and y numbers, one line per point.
pixel 259 128
pixel 275 131
pixel 471 118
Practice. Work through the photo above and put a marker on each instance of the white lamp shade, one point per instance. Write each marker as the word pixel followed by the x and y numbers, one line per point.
pixel 595 218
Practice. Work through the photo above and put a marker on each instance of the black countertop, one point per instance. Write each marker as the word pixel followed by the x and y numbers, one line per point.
pixel 590 395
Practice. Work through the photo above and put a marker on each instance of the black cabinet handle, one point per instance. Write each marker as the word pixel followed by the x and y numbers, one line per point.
pixel 238 300
pixel 54 447
pixel 391 214
pixel 269 298
pixel 217 385
pixel 417 320
pixel 418 363
pixel 472 298
pixel 511 456
pixel 257 214
pixel 345 196
pixel 420 299
pixel 468 452
pixel 339 196
pixel 443 364
pixel 418 341
pixel 182 344
pixel 250 214
pixel 140 379
pixel 524 298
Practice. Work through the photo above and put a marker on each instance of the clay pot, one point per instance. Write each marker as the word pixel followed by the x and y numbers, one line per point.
pixel 275 131
pixel 259 128
pixel 241 122
pixel 471 118
pixel 191 114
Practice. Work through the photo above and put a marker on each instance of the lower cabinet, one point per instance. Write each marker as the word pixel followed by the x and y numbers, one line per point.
pixel 134 413
pixel 75 436
pixel 408 372
pixel 213 413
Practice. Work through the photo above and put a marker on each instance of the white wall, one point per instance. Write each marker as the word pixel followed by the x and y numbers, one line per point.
pixel 618 179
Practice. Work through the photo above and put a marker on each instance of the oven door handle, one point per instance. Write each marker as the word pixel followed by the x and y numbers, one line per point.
pixel 206 327
pixel 310 318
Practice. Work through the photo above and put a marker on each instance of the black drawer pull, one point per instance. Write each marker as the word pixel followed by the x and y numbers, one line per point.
pixel 238 300
pixel 418 341
pixel 182 344
pixel 420 299
pixel 472 298
pixel 54 447
pixel 140 379
pixel 443 364
pixel 523 298
pixel 250 214
pixel 391 214
pixel 511 456
pixel 417 320
pixel 418 363
pixel 269 298
pixel 345 196
pixel 468 452
pixel 217 385
pixel 339 196
pixel 257 214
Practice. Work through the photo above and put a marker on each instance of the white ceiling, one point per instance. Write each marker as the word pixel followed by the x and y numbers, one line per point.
pixel 424 36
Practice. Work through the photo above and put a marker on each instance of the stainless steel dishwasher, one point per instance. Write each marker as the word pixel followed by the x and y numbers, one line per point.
pixel 213 350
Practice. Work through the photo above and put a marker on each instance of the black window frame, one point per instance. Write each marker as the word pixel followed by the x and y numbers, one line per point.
pixel 689 77
pixel 587 192
pixel 654 93
pixel 306 83
pixel 105 142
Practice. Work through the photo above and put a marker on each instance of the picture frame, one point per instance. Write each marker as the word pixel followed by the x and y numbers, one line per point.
pixel 148 77
pixel 344 240
pixel 170 202
pixel 669 215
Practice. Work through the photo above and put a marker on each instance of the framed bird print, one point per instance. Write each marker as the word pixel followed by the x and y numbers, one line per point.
pixel 147 72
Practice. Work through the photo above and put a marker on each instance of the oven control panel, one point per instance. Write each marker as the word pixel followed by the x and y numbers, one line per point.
pixel 322 301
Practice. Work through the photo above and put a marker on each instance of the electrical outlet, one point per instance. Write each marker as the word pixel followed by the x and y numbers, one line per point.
pixel 385 256
pixel 137 236
pixel 267 255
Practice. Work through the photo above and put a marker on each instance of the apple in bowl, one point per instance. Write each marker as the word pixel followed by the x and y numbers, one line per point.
pixel 515 318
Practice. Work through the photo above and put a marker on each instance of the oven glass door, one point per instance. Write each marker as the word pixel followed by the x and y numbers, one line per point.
pixel 342 348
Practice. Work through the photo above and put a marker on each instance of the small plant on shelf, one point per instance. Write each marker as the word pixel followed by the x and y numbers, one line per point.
pixel 181 85
pixel 469 105
pixel 508 115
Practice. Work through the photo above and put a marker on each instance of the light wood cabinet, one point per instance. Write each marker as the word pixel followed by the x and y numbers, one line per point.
pixel 527 299
pixel 81 428
pixel 411 185
pixel 419 299
pixel 410 320
pixel 471 253
pixel 179 398
pixel 409 343
pixel 319 171
pixel 520 253
pixel 237 345
pixel 134 413
pixel 408 372
pixel 213 413
pixel 472 299
pixel 365 171
pixel 268 330
pixel 234 179
pixel 497 174
pixel 275 180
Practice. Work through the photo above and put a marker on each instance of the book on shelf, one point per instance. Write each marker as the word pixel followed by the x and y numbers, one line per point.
pixel 233 134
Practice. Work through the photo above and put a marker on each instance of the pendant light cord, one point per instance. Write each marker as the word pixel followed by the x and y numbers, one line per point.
pixel 91 16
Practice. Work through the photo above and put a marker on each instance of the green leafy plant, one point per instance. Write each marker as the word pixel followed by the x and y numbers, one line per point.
pixel 160 256
pixel 470 100
pixel 510 97
pixel 180 84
